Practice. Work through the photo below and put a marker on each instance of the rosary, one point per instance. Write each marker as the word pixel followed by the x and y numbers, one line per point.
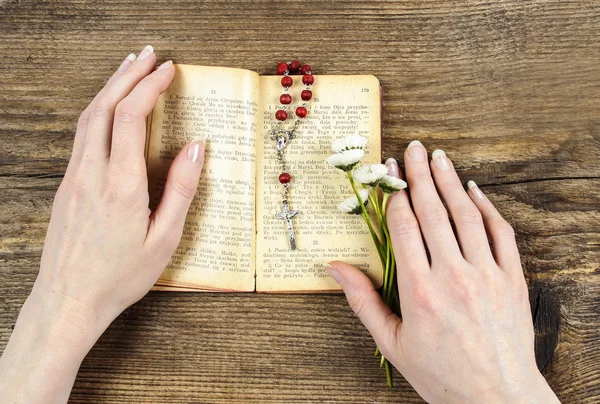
pixel 282 137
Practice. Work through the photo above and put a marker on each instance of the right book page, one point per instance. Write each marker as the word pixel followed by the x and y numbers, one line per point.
pixel 341 106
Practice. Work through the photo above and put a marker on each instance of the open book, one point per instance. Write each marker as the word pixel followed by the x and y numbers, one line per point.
pixel 232 239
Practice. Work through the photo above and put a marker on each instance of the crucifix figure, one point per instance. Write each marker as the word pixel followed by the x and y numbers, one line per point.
pixel 287 215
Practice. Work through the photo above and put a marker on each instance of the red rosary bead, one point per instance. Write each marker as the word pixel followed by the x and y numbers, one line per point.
pixel 285 99
pixel 306 95
pixel 281 115
pixel 282 68
pixel 308 79
pixel 284 178
pixel 305 69
pixel 301 112
pixel 294 66
pixel 287 81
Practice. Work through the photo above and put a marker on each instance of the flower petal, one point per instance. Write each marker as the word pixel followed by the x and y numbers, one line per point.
pixel 352 206
pixel 370 174
pixel 389 184
pixel 349 143
pixel 347 159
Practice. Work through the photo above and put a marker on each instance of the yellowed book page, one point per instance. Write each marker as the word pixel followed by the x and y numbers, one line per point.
pixel 342 105
pixel 217 250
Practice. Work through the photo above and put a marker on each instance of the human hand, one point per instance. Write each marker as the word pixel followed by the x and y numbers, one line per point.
pixel 104 249
pixel 466 333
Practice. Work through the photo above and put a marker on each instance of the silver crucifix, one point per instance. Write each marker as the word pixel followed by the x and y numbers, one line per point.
pixel 287 215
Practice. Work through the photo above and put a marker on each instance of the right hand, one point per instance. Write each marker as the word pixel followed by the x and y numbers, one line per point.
pixel 466 333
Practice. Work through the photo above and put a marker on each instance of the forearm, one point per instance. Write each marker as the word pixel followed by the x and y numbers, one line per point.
pixel 45 350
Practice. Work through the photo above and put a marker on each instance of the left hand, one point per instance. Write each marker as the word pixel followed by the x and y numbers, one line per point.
pixel 104 249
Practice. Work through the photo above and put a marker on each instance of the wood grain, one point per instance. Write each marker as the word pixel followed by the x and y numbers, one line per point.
pixel 509 89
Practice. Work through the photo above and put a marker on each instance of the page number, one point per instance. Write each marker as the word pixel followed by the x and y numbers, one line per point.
pixel 364 90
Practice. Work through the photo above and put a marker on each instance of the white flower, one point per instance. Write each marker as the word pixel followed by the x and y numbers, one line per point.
pixel 389 184
pixel 352 206
pixel 370 174
pixel 349 143
pixel 347 159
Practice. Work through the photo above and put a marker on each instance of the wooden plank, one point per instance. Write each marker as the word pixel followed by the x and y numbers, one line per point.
pixel 245 328
pixel 510 90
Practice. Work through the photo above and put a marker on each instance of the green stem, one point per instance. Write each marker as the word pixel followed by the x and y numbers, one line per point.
pixel 388 374
pixel 379 209
pixel 386 254
pixel 391 269
pixel 374 199
pixel 383 205
pixel 367 219
pixel 374 237
pixel 390 259
pixel 391 278
pixel 393 298
pixel 386 274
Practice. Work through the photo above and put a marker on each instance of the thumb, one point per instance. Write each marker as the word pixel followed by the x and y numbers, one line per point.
pixel 180 188
pixel 381 322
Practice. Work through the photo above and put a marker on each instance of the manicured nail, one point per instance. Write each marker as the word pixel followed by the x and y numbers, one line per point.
pixel 392 165
pixel 334 273
pixel 416 151
pixel 475 189
pixel 168 63
pixel 440 160
pixel 127 62
pixel 146 52
pixel 196 150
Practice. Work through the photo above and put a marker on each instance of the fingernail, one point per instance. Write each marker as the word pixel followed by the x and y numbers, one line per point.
pixel 416 151
pixel 196 150
pixel 168 63
pixel 334 273
pixel 475 189
pixel 147 51
pixel 440 160
pixel 127 62
pixel 392 165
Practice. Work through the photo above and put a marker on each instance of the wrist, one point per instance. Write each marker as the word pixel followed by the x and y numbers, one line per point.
pixel 539 392
pixel 50 340
pixel 531 390
pixel 62 322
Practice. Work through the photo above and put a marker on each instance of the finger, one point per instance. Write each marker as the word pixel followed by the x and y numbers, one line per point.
pixel 99 133
pixel 405 233
pixel 82 123
pixel 383 325
pixel 467 219
pixel 501 233
pixel 429 210
pixel 166 223
pixel 129 128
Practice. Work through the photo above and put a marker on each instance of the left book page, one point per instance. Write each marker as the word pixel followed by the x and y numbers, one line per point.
pixel 217 250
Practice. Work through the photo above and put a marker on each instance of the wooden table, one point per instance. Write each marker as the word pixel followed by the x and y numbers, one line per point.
pixel 510 89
